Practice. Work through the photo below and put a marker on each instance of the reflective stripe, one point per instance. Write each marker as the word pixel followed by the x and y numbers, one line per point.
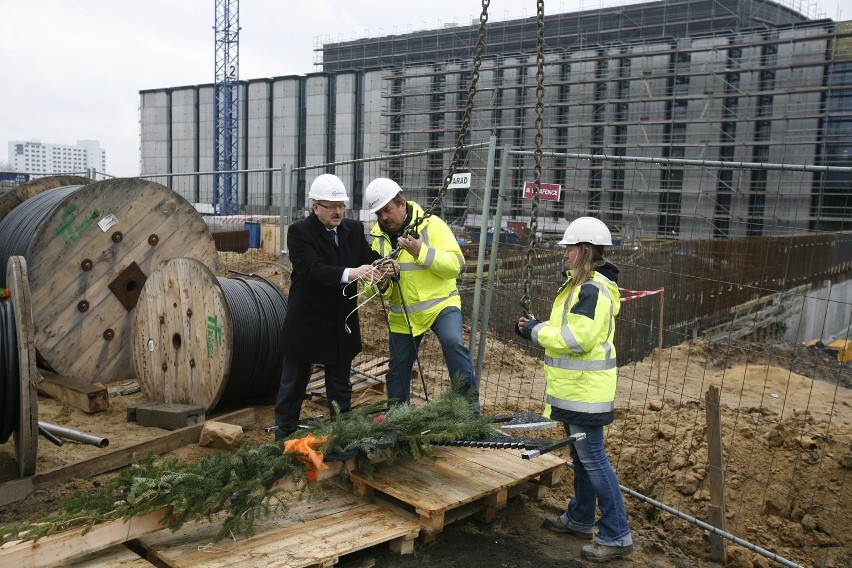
pixel 403 266
pixel 570 341
pixel 567 335
pixel 381 245
pixel 461 261
pixel 430 258
pixel 414 308
pixel 574 406
pixel 572 364
pixel 535 331
pixel 424 235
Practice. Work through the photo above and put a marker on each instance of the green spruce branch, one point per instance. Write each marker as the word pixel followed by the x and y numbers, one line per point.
pixel 240 485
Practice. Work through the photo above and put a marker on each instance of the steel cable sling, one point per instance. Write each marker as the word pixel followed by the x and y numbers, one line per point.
pixel 526 299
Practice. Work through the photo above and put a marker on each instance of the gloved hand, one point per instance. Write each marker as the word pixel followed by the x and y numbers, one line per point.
pixel 525 326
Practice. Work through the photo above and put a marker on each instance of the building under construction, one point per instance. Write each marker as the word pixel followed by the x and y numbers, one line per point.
pixel 694 84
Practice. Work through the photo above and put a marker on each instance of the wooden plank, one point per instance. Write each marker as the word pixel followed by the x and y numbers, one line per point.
pixel 85 396
pixel 19 489
pixel 59 549
pixel 716 474
pixel 118 556
pixel 310 533
pixel 507 462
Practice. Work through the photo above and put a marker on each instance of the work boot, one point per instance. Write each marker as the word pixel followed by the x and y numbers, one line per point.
pixel 601 553
pixel 555 524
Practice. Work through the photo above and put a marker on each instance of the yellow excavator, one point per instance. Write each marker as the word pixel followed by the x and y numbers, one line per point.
pixel 840 348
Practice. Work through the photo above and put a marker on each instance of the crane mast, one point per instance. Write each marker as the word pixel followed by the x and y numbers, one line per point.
pixel 226 142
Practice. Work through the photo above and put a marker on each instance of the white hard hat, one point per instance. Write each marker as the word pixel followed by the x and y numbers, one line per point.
pixel 586 230
pixel 380 192
pixel 328 187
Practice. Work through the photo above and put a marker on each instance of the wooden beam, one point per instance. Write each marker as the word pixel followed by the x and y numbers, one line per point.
pixel 718 545
pixel 19 489
pixel 58 549
pixel 88 397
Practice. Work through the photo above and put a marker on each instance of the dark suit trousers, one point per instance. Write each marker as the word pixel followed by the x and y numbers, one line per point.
pixel 291 393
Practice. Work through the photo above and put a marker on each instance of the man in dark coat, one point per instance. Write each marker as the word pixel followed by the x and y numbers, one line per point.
pixel 327 252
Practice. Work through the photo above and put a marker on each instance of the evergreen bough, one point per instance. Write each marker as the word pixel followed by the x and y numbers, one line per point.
pixel 240 484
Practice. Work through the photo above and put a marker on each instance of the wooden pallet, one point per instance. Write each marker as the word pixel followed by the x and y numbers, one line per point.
pixel 372 365
pixel 313 532
pixel 458 483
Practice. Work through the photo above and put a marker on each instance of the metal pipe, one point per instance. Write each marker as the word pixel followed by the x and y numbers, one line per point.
pixel 76 435
pixel 489 292
pixel 483 231
pixel 49 436
pixel 711 528
pixel 688 162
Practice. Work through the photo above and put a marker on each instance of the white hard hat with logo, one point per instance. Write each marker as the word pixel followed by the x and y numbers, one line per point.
pixel 586 230
pixel 379 193
pixel 328 187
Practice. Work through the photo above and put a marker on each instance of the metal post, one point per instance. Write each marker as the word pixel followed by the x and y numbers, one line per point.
pixel 285 217
pixel 483 229
pixel 489 292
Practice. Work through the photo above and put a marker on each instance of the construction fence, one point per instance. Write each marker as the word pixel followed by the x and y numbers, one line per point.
pixel 722 288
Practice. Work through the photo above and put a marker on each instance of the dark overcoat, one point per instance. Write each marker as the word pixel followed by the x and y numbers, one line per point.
pixel 316 308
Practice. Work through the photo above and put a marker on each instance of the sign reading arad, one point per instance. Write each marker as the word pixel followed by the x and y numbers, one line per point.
pixel 546 191
pixel 460 180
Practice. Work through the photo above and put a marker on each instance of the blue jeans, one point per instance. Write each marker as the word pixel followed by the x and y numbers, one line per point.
pixel 403 351
pixel 595 482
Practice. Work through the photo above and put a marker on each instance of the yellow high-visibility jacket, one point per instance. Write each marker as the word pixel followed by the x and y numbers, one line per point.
pixel 427 283
pixel 579 354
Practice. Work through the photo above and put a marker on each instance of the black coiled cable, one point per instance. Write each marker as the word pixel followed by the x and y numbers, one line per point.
pixel 17 228
pixel 9 381
pixel 257 313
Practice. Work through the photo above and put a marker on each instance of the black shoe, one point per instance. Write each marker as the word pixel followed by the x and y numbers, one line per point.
pixel 555 524
pixel 600 553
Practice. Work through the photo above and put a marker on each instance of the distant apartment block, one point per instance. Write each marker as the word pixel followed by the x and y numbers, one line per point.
pixel 43 158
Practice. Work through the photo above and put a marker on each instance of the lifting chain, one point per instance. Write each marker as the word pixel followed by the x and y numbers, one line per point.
pixel 412 228
pixel 526 300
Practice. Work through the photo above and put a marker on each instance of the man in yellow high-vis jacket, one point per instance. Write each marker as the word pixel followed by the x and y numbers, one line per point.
pixel 424 296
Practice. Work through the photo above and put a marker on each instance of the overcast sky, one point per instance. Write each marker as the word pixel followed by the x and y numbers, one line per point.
pixel 73 68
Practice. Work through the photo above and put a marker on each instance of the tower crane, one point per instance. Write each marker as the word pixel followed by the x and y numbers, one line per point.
pixel 226 141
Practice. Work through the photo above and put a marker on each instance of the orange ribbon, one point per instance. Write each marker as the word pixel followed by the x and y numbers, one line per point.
pixel 306 450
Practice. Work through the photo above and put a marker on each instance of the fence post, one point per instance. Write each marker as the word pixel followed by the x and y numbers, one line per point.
pixel 718 545
pixel 492 272
pixel 483 230
pixel 286 174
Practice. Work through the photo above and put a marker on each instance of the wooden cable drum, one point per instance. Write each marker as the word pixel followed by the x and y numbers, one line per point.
pixel 14 197
pixel 207 341
pixel 89 250
pixel 18 399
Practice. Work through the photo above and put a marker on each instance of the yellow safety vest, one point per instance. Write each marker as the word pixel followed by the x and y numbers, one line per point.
pixel 427 283
pixel 579 355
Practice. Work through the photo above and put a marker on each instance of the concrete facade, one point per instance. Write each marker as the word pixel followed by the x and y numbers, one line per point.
pixel 730 90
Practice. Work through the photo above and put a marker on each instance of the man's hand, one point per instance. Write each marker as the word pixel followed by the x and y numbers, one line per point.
pixel 366 272
pixel 410 244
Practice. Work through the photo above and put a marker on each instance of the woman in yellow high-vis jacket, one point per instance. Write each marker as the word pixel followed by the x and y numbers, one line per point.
pixel 580 368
